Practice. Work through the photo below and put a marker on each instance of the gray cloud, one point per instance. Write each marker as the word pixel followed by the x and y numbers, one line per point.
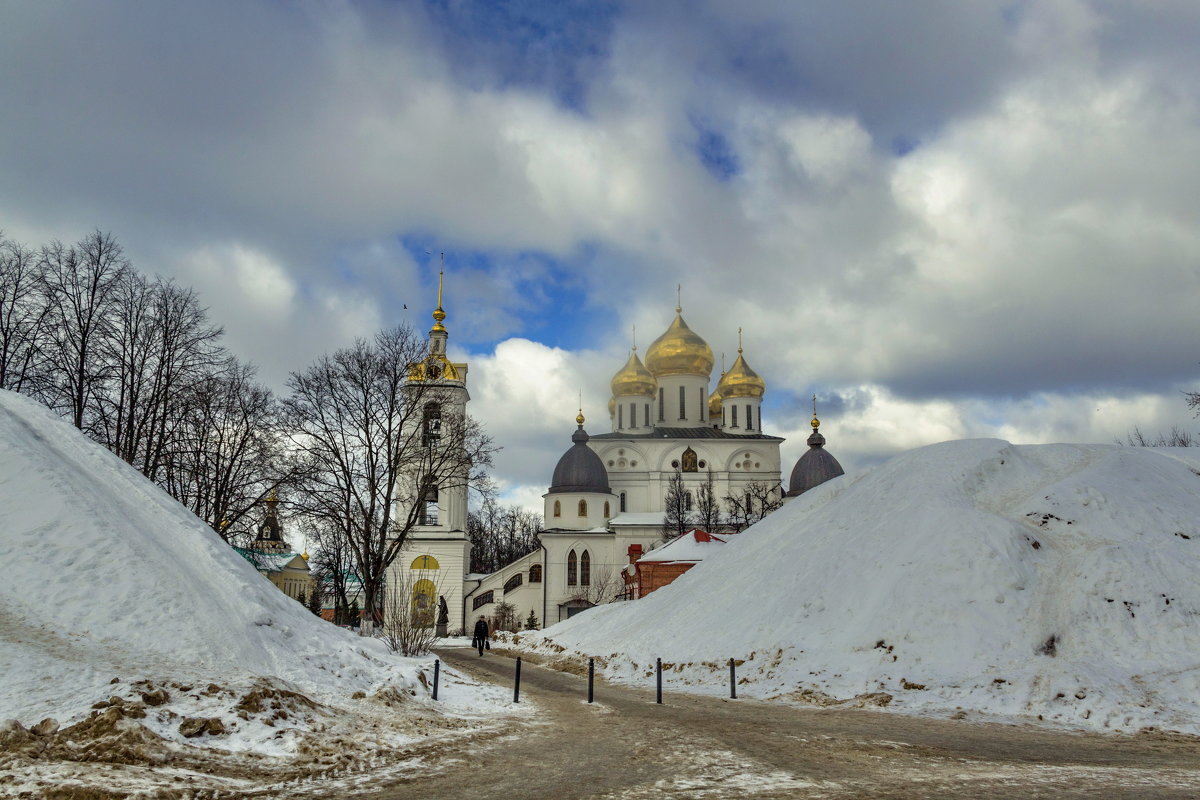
pixel 961 213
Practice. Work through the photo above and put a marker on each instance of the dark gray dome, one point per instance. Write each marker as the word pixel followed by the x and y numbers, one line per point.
pixel 580 469
pixel 815 467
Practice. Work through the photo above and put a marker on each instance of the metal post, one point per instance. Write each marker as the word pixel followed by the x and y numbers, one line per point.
pixel 437 668
pixel 517 683
pixel 591 677
pixel 732 681
pixel 658 675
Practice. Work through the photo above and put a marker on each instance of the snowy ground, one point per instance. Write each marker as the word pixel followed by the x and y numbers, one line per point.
pixel 1051 582
pixel 132 636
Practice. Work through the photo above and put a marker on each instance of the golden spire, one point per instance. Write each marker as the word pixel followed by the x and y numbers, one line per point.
pixel 438 313
pixel 739 341
pixel 579 416
pixel 816 423
pixel 679 298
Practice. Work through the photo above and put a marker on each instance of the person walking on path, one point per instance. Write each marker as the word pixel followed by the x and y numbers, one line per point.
pixel 481 635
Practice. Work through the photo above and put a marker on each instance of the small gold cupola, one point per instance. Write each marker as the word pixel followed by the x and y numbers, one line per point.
pixel 633 378
pixel 740 380
pixel 679 351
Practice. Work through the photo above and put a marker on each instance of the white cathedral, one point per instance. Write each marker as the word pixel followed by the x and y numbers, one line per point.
pixel 605 504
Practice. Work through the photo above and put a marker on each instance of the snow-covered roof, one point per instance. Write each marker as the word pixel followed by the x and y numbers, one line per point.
pixel 692 546
pixel 269 561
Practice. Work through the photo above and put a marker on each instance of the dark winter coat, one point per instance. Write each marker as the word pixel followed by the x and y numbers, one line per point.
pixel 481 630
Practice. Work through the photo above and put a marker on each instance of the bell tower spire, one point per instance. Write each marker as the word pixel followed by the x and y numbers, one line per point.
pixel 438 333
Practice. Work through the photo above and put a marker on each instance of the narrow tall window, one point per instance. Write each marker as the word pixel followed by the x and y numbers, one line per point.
pixel 583 508
pixel 620 417
pixel 557 509
pixel 647 415
pixel 662 403
pixel 682 403
pixel 622 502
pixel 633 415
pixel 429 502
pixel 535 573
pixel 431 424
pixel 606 510
pixel 571 568
pixel 733 416
pixel 585 569
pixel 687 501
pixel 703 391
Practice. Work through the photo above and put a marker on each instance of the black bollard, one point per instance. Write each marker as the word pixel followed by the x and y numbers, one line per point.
pixel 517 683
pixel 437 667
pixel 591 677
pixel 732 681
pixel 658 674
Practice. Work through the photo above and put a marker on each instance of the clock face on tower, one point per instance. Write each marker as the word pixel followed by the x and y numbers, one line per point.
pixel 433 371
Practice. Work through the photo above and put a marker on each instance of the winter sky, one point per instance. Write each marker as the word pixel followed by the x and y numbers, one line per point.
pixel 945 219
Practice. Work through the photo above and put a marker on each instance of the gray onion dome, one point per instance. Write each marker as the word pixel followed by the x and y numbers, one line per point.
pixel 815 467
pixel 580 469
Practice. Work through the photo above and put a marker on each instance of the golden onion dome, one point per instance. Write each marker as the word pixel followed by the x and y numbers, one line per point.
pixel 741 381
pixel 714 404
pixel 634 379
pixel 679 351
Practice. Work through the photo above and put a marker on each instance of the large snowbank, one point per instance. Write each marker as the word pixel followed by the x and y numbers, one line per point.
pixel 1060 581
pixel 107 577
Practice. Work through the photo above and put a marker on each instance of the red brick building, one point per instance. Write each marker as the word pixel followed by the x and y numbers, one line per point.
pixel 653 570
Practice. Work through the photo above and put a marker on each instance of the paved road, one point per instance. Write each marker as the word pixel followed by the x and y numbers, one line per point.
pixel 624 747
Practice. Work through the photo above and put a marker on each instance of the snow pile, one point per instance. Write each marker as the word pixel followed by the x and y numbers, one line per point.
pixel 1057 581
pixel 117 598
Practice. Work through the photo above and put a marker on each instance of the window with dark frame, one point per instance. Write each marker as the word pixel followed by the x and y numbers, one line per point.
pixel 535 573
pixel 482 600
pixel 662 403
pixel 572 562
pixel 585 569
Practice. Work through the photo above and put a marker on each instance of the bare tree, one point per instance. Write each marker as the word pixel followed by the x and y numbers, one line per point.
pixel 1176 438
pixel 81 284
pixel 500 535
pixel 757 501
pixel 677 508
pixel 22 315
pixel 226 453
pixel 409 622
pixel 708 505
pixel 354 419
pixel 161 347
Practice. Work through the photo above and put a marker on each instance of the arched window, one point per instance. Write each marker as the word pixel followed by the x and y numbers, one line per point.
pixel 585 569
pixel 535 573
pixel 572 563
pixel 583 508
pixel 734 416
pixel 429 502
pixel 687 501
pixel 431 424
pixel 557 509
pixel 623 509
pixel 606 510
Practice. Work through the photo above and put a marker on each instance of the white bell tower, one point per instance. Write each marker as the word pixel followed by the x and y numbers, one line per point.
pixel 437 554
